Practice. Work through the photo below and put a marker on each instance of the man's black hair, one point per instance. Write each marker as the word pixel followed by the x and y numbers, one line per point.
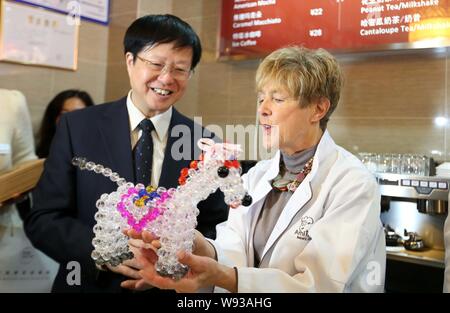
pixel 155 29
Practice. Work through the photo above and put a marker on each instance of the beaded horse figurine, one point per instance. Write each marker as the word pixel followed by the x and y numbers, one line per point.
pixel 169 214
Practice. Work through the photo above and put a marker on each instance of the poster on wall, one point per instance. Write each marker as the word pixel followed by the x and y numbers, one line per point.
pixel 35 36
pixel 91 10
pixel 254 28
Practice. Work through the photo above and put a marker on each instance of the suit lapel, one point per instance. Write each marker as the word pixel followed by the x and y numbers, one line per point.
pixel 114 127
pixel 171 168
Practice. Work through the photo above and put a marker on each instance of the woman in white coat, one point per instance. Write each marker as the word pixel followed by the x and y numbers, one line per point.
pixel 314 225
pixel 447 254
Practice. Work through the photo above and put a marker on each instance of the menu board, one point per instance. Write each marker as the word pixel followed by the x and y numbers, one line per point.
pixel 251 28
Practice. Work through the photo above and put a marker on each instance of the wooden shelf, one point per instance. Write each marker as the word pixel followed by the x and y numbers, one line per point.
pixel 20 179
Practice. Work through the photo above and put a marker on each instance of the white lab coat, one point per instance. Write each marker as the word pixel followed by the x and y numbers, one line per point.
pixel 447 255
pixel 16 134
pixel 328 238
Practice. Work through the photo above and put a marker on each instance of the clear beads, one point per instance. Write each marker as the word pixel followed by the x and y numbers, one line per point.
pixel 170 214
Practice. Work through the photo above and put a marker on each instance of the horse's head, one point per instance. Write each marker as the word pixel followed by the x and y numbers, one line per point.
pixel 222 158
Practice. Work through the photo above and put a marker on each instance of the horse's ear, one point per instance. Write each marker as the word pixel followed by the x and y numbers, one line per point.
pixel 232 150
pixel 205 144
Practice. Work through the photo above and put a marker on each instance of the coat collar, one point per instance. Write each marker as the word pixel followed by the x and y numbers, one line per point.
pixel 171 167
pixel 324 148
pixel 263 186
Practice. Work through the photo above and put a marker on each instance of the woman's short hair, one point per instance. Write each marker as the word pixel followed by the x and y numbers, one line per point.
pixel 308 75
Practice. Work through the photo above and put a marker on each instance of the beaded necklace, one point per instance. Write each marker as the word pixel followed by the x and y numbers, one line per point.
pixel 282 184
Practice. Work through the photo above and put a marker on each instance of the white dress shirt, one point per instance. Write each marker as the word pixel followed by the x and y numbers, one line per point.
pixel 159 136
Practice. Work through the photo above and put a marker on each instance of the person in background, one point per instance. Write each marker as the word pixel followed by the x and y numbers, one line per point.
pixel 16 133
pixel 142 137
pixel 16 252
pixel 65 101
pixel 447 255
pixel 16 142
pixel 314 225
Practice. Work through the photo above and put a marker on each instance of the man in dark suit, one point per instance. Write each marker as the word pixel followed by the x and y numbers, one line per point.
pixel 161 53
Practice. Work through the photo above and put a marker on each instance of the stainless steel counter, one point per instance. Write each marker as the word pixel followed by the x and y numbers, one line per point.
pixel 429 257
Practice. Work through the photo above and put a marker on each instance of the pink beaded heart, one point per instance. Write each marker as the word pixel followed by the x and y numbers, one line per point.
pixel 128 208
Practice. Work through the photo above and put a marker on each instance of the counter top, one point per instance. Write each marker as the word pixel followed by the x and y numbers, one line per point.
pixel 428 257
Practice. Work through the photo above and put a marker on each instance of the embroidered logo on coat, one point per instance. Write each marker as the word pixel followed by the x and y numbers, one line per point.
pixel 302 232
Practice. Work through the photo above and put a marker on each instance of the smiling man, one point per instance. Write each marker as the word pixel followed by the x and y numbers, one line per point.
pixel 133 136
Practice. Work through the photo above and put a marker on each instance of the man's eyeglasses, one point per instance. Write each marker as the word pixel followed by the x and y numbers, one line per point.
pixel 178 73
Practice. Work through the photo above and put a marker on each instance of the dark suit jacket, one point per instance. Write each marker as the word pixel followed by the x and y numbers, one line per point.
pixel 62 217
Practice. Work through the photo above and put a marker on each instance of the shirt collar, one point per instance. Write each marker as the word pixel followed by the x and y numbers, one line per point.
pixel 160 121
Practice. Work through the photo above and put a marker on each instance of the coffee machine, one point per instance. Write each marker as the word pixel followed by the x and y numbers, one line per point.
pixel 429 192
pixel 413 211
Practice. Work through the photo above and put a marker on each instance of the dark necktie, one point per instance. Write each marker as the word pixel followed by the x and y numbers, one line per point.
pixel 143 153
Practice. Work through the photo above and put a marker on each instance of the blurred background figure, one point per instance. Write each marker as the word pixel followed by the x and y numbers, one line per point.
pixel 66 101
pixel 17 255
pixel 447 255
pixel 16 134
pixel 16 137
